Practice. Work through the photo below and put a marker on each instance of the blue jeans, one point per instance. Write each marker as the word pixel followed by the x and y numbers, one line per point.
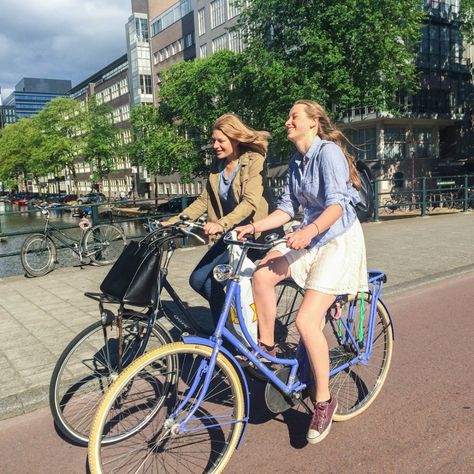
pixel 202 281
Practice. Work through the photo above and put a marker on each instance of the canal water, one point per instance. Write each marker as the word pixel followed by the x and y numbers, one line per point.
pixel 24 221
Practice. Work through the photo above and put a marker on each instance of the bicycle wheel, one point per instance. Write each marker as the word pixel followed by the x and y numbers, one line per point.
pixel 390 207
pixel 357 386
pixel 212 432
pixel 38 255
pixel 87 368
pixel 104 243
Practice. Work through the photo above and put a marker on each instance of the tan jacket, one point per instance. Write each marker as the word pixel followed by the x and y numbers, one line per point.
pixel 248 188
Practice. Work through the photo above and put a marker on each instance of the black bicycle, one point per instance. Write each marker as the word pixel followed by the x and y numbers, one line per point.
pixel 95 357
pixel 99 244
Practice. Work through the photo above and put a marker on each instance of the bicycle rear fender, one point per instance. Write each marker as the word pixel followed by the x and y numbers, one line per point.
pixel 206 342
pixel 389 317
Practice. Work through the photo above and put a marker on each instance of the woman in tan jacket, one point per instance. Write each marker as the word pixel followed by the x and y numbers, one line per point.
pixel 235 194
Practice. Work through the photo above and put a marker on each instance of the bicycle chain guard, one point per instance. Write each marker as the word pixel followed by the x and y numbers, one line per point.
pixel 277 401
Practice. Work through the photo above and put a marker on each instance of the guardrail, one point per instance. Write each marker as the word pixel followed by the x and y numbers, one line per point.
pixel 118 212
pixel 425 195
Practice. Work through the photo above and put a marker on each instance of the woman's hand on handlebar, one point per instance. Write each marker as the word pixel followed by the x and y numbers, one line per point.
pixel 243 230
pixel 301 238
pixel 212 228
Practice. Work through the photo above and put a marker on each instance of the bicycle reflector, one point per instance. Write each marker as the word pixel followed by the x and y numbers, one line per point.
pixel 222 272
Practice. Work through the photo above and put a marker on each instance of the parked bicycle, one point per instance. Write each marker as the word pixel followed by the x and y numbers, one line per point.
pixel 99 244
pixel 95 357
pixel 195 420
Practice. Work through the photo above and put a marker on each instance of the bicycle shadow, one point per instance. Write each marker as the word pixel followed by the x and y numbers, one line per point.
pixel 295 418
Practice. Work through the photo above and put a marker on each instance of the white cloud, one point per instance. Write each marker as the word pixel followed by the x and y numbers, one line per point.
pixel 60 39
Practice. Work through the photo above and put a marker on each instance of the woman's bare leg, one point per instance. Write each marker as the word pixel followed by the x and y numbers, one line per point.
pixel 309 324
pixel 270 271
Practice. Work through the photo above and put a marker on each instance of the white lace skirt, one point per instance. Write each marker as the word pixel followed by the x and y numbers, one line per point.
pixel 336 268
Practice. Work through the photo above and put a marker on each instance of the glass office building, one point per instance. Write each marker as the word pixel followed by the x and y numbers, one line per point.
pixel 31 94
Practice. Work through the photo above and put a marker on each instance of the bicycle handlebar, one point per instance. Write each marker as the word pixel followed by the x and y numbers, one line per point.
pixel 273 241
pixel 43 210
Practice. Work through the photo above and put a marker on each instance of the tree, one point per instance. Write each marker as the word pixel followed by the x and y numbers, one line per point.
pixel 466 16
pixel 101 143
pixel 16 144
pixel 60 124
pixel 340 52
pixel 160 147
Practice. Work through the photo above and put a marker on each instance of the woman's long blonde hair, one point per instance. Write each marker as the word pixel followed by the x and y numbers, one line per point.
pixel 328 131
pixel 249 139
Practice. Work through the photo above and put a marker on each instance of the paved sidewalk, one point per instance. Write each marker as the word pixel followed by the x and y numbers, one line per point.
pixel 39 316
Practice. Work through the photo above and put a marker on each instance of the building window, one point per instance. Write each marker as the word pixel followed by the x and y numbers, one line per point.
pixel 363 143
pixel 188 40
pixel 219 43
pixel 145 84
pixel 422 138
pixel 170 16
pixel 114 91
pixel 232 9
pixel 394 143
pixel 203 50
pixel 141 28
pixel 217 13
pixel 201 21
pixel 235 42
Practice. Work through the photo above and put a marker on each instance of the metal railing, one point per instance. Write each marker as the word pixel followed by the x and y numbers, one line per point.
pixel 424 196
pixel 118 212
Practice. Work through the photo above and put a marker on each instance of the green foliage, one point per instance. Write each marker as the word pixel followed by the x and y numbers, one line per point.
pixel 467 20
pixel 198 92
pixel 101 143
pixel 16 144
pixel 60 124
pixel 159 146
pixel 339 52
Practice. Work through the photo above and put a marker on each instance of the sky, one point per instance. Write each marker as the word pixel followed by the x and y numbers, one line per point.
pixel 59 39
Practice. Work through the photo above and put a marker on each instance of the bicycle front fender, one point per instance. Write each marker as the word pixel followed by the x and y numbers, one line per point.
pixel 206 342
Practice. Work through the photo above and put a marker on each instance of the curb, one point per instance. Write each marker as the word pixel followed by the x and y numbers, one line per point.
pixel 424 281
pixel 24 402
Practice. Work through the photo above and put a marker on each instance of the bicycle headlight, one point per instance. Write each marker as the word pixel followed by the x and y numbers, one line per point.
pixel 222 272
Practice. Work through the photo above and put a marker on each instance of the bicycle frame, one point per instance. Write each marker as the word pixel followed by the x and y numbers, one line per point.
pixel 53 232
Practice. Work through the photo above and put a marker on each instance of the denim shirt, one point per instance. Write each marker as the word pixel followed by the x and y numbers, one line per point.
pixel 314 182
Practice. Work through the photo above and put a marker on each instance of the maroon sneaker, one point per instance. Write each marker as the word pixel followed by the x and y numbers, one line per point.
pixel 322 420
pixel 271 351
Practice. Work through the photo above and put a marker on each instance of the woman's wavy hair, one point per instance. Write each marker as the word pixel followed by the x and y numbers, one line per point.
pixel 249 139
pixel 328 131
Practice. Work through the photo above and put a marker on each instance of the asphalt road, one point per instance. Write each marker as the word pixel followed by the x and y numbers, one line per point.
pixel 422 421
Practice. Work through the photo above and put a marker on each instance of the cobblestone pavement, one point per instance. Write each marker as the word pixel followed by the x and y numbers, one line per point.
pixel 39 316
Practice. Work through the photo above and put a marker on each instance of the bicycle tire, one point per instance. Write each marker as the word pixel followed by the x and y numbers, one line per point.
pixel 103 243
pixel 161 437
pixel 390 207
pixel 357 386
pixel 74 395
pixel 38 254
